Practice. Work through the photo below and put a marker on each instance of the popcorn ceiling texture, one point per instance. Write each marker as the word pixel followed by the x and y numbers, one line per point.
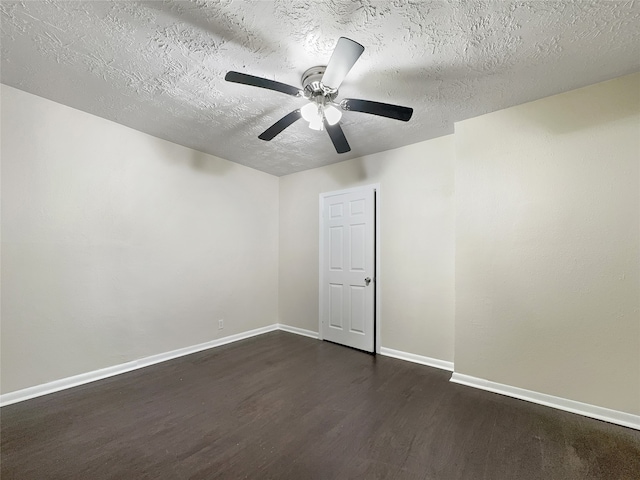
pixel 159 66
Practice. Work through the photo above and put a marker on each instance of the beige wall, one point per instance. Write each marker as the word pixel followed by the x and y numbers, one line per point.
pixel 548 245
pixel 417 240
pixel 117 245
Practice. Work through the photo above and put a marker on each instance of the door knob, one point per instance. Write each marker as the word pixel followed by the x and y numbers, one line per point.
pixel 367 281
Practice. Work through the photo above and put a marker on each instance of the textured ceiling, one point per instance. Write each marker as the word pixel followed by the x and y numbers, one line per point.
pixel 159 66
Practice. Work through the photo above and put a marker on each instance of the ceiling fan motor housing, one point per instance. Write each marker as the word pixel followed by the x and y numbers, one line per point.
pixel 313 87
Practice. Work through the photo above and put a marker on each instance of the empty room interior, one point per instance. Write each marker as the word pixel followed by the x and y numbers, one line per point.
pixel 320 240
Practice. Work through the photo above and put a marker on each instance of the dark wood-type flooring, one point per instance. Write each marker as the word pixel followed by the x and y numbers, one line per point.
pixel 281 406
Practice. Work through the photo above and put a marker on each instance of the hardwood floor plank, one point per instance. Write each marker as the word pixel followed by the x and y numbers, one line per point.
pixel 282 406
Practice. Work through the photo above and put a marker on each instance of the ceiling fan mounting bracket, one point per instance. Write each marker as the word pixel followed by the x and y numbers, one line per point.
pixel 313 87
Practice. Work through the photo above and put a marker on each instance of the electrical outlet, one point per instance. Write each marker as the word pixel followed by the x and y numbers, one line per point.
pixel 220 324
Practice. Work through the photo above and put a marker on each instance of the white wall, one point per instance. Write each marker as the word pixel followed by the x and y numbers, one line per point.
pixel 417 240
pixel 548 245
pixel 117 245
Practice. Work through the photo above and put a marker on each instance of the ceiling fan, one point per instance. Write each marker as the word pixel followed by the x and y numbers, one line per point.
pixel 320 86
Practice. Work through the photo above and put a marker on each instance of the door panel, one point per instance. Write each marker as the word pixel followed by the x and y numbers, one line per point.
pixel 336 243
pixel 357 247
pixel 348 239
pixel 336 305
pixel 358 310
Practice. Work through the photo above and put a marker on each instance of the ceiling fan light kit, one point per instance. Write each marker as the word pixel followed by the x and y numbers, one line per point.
pixel 320 87
pixel 316 113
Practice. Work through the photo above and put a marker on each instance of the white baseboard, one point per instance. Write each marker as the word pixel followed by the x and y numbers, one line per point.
pixel 298 331
pixel 412 357
pixel 592 411
pixel 81 379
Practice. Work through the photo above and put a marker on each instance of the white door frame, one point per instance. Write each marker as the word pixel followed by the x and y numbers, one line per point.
pixel 376 280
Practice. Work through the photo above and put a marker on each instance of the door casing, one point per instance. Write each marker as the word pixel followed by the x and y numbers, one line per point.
pixel 378 298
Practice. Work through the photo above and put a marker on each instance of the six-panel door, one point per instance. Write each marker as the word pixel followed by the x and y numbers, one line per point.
pixel 348 230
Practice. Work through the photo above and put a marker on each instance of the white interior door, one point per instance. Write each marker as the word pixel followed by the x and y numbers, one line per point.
pixel 348 267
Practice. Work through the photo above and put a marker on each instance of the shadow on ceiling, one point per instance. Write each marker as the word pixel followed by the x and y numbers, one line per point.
pixel 214 23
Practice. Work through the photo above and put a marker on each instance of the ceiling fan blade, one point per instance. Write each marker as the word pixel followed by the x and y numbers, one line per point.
pixel 280 125
pixel 344 56
pixel 237 77
pixel 396 112
pixel 337 137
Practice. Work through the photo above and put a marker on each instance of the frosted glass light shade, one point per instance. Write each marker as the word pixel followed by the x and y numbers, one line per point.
pixel 314 113
pixel 332 114
pixel 310 112
pixel 316 123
